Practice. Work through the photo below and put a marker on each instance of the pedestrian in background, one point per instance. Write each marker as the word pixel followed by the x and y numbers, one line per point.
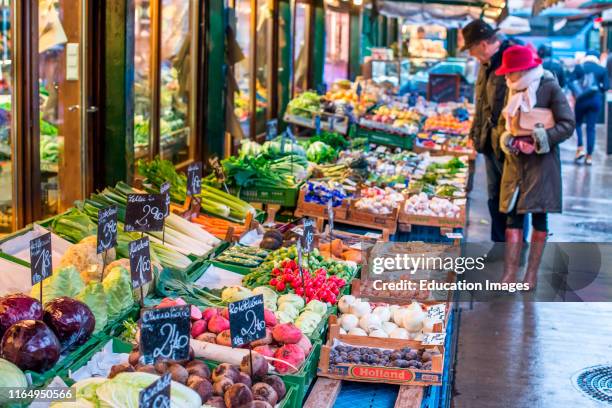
pixel 536 118
pixel 486 45
pixel 589 83
pixel 545 52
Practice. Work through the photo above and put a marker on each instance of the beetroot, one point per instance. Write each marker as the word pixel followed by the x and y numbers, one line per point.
pixel 265 350
pixel 260 365
pixel 264 392
pixel 209 312
pixel 198 327
pixel 277 383
pixel 216 402
pixel 196 314
pixel 17 307
pixel 207 337
pixel 270 318
pixel 238 396
pixel 286 333
pixel 217 324
pixel 292 354
pixel 224 338
pixel 305 344
pixel 266 340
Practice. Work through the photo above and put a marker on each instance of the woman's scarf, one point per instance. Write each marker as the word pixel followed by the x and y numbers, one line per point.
pixel 522 93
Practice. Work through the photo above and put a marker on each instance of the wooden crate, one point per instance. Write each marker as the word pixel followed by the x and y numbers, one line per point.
pixel 373 374
pixel 374 221
pixel 310 209
pixel 446 225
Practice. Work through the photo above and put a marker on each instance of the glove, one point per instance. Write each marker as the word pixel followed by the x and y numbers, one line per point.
pixel 506 142
pixel 540 139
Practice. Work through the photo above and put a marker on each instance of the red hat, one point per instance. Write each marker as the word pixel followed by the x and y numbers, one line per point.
pixel 518 58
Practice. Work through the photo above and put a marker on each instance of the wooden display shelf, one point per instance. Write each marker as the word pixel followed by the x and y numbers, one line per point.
pixel 446 225
pixel 310 209
pixel 341 122
pixel 383 222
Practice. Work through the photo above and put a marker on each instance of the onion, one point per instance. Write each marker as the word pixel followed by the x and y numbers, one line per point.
pixel 356 331
pixel 369 322
pixel 348 321
pixel 383 313
pixel 388 327
pixel 399 333
pixel 413 320
pixel 398 316
pixel 360 309
pixel 379 333
pixel 345 302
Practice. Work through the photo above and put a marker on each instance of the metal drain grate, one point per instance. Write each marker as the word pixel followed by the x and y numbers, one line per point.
pixel 595 382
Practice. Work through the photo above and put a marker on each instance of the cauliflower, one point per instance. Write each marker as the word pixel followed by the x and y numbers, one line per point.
pixel 84 258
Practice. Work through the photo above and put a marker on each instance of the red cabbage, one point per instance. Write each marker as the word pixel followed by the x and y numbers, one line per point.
pixel 31 345
pixel 17 307
pixel 71 321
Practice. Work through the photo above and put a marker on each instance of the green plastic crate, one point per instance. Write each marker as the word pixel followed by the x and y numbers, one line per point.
pixel 308 372
pixel 287 197
pixel 385 138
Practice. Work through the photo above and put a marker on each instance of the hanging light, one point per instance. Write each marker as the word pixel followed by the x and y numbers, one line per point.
pixel 358 2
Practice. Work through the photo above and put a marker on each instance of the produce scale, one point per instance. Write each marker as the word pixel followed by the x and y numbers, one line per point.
pixel 239 307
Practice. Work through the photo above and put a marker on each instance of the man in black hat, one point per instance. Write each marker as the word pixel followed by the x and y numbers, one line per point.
pixel 484 43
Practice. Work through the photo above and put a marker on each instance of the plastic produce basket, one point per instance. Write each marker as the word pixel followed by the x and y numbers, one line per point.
pixel 287 197
pixel 386 138
pixel 308 372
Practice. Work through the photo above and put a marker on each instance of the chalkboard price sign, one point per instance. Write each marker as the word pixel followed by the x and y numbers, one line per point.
pixel 140 262
pixel 41 266
pixel 165 190
pixel 164 333
pixel 107 229
pixel 156 395
pixel 308 235
pixel 194 179
pixel 271 129
pixel 145 212
pixel 247 322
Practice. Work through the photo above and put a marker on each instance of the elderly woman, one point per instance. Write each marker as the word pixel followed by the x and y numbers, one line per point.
pixel 536 118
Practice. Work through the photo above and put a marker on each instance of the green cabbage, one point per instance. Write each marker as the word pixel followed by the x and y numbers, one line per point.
pixel 235 293
pixel 12 377
pixel 316 306
pixel 269 295
pixel 291 298
pixel 249 148
pixel 307 322
pixel 124 389
pixel 290 309
pixel 319 152
pixel 273 148
pixel 64 282
pixel 93 296
pixel 118 289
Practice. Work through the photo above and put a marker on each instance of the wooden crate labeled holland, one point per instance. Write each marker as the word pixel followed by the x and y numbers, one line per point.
pixel 380 374
pixel 315 210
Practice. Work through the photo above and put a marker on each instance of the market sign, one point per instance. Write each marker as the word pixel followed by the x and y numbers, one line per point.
pixel 107 229
pixel 194 179
pixel 271 129
pixel 156 395
pixel 165 189
pixel 308 235
pixel 140 262
pixel 247 322
pixel 164 333
pixel 41 266
pixel 443 88
pixel 145 212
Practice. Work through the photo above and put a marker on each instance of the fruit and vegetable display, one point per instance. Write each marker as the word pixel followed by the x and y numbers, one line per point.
pixel 378 200
pixel 321 192
pixel 243 256
pixel 393 118
pixel 418 359
pixel 361 318
pixel 323 278
pixel 306 105
pixel 448 123
pixel 421 204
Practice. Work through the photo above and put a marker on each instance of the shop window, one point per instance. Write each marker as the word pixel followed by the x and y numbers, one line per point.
pixel 6 119
pixel 336 47
pixel 142 79
pixel 242 98
pixel 300 48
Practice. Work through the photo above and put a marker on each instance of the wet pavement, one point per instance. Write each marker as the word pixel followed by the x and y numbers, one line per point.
pixel 519 354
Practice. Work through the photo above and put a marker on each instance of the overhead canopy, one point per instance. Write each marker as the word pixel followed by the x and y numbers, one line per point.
pixel 449 13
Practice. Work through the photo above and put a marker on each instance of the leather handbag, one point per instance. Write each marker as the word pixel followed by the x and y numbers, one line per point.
pixel 524 123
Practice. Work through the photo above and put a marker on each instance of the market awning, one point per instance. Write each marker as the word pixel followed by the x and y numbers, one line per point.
pixel 449 13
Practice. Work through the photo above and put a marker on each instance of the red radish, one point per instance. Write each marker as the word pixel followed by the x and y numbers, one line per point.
pixel 209 312
pixel 265 351
pixel 292 354
pixel 270 318
pixel 286 333
pixel 305 344
pixel 217 324
pixel 195 313
pixel 198 327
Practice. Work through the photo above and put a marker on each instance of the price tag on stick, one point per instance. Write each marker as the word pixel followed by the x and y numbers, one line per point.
pixel 271 129
pixel 140 264
pixel 41 265
pixel 145 212
pixel 308 235
pixel 194 179
pixel 247 322
pixel 156 395
pixel 107 229
pixel 164 189
pixel 164 333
